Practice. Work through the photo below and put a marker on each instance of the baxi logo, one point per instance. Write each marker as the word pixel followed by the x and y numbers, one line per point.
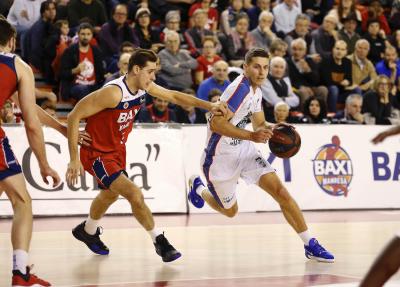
pixel 333 169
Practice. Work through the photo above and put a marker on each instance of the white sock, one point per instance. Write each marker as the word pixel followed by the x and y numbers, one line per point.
pixel 154 233
pixel 305 236
pixel 200 189
pixel 20 260
pixel 91 225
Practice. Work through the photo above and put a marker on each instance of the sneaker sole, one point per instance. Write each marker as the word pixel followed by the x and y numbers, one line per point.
pixel 319 259
pixel 191 198
pixel 172 258
pixel 95 252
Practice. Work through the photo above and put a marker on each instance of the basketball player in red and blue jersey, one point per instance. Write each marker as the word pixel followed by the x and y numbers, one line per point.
pixel 110 112
pixel 230 154
pixel 17 76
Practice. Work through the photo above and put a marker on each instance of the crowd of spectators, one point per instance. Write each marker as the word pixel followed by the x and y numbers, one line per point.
pixel 333 61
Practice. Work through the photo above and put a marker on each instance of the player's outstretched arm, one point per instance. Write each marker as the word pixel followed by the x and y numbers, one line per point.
pixel 219 108
pixel 383 135
pixel 99 100
pixel 34 132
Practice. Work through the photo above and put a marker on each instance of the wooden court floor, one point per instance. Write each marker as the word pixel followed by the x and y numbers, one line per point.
pixel 253 249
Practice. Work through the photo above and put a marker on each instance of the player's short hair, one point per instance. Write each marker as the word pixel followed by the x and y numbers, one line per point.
pixel 140 57
pixel 7 31
pixel 255 52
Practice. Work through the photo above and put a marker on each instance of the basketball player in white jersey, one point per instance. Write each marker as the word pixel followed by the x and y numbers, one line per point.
pixel 230 154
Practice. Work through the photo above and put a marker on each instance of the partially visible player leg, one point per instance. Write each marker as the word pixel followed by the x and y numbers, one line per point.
pixel 198 193
pixel 271 183
pixel 21 231
pixel 384 266
pixel 88 231
pixel 126 188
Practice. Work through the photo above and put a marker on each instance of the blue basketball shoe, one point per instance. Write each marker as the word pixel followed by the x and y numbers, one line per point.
pixel 315 251
pixel 194 198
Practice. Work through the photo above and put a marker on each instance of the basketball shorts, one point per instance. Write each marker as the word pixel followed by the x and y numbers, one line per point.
pixel 8 162
pixel 222 172
pixel 104 167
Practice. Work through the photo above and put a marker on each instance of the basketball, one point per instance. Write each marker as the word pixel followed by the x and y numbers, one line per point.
pixel 285 141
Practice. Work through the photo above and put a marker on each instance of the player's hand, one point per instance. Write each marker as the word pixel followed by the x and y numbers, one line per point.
pixel 84 138
pixel 380 137
pixel 219 108
pixel 75 169
pixel 261 135
pixel 48 171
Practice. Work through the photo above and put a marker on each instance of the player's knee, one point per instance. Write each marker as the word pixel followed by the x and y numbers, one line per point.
pixel 136 199
pixel 110 196
pixel 282 195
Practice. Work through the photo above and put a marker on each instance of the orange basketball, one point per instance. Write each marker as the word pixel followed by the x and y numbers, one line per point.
pixel 285 141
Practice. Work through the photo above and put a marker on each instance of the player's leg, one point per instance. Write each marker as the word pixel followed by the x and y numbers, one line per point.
pixel 89 231
pixel 271 183
pixel 126 188
pixel 21 232
pixel 198 193
pixel 384 266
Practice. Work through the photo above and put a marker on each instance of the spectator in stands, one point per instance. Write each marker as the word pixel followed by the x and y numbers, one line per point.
pixel 229 16
pixel 348 32
pixel 375 11
pixel 304 74
pixel 176 64
pixel 281 113
pixel 390 65
pixel 278 48
pixel 172 23
pixel 56 45
pixel 7 113
pixel 90 9
pixel 157 112
pixel 22 15
pixel 285 16
pixel 206 60
pixel 336 74
pixel 395 40
pixel 194 36
pixel 212 14
pixel 394 19
pixel 377 41
pixel 263 34
pixel 115 32
pixel 50 107
pixel 238 42
pixel 148 37
pixel 314 112
pixel 38 35
pixel 189 114
pixel 301 30
pixel 161 7
pixel 43 95
pixel 81 66
pixel 219 80
pixel 344 9
pixel 362 69
pixel 352 111
pixel 325 36
pixel 277 88
pixel 378 102
pixel 255 12
pixel 126 47
pixel 122 65
pixel 316 10
pixel 214 95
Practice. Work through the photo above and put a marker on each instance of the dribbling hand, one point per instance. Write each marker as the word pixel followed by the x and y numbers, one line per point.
pixel 75 169
pixel 261 135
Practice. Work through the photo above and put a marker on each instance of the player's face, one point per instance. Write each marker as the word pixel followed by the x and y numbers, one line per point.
pixel 315 108
pixel 147 75
pixel 257 70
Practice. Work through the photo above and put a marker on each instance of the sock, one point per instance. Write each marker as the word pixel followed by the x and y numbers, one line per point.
pixel 20 260
pixel 200 189
pixel 305 236
pixel 154 233
pixel 91 225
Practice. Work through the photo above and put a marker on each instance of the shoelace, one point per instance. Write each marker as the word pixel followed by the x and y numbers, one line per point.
pixel 318 248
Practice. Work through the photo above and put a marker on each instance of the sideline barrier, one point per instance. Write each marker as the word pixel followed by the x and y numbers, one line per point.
pixel 161 157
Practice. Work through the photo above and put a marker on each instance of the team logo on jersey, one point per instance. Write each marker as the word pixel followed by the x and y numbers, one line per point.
pixel 126 105
pixel 333 169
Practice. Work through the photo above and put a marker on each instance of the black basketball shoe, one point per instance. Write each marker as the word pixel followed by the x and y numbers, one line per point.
pixel 92 241
pixel 163 248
